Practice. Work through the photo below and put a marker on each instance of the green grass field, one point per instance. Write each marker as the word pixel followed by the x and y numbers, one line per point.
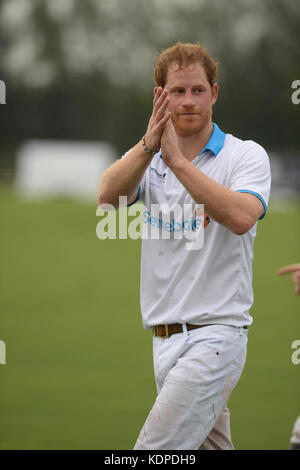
pixel 79 364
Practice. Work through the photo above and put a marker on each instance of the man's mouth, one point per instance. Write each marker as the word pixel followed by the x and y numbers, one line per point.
pixel 189 114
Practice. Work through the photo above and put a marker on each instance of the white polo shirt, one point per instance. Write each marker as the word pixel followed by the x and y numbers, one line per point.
pixel 212 285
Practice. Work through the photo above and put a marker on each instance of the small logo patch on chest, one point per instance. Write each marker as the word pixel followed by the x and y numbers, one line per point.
pixel 156 178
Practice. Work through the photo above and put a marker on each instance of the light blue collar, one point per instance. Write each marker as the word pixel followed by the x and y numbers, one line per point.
pixel 216 141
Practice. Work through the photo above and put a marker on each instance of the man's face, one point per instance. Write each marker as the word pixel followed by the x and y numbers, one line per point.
pixel 190 98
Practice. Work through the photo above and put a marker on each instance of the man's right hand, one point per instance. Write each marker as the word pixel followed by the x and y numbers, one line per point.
pixel 159 118
pixel 124 176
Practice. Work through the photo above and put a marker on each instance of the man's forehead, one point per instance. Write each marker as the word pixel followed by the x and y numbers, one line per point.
pixel 177 72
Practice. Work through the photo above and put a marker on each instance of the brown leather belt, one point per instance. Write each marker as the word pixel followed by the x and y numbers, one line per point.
pixel 165 331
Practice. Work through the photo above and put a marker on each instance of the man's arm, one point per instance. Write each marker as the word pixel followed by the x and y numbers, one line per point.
pixel 236 211
pixel 123 177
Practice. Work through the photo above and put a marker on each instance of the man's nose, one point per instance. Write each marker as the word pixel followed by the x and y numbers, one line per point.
pixel 188 100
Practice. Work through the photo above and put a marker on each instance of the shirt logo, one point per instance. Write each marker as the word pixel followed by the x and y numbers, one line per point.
pixel 199 212
pixel 167 220
pixel 157 179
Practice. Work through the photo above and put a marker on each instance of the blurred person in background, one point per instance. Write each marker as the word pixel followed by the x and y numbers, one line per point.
pixel 197 302
pixel 293 269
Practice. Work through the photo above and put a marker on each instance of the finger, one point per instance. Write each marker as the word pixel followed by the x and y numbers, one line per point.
pixel 162 109
pixel 296 279
pixel 288 269
pixel 158 113
pixel 160 99
pixel 162 123
pixel 157 93
pixel 166 118
pixel 296 276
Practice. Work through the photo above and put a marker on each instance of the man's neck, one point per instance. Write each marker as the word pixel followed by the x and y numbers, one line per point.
pixel 192 145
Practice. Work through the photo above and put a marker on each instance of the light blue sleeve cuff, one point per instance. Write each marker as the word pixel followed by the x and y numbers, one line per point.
pixel 138 197
pixel 259 197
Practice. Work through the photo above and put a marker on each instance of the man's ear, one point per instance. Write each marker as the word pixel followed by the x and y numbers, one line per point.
pixel 214 93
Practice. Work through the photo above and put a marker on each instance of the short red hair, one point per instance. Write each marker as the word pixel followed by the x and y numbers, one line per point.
pixel 184 54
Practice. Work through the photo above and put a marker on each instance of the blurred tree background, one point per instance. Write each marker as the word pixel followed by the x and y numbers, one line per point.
pixel 83 70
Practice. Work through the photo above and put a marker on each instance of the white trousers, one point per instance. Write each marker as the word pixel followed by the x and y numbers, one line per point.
pixel 195 373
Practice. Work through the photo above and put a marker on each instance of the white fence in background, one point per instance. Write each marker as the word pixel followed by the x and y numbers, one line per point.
pixel 46 169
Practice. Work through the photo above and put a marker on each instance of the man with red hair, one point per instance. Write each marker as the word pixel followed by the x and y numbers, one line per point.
pixel 197 302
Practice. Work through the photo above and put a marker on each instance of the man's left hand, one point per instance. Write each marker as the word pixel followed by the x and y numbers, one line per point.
pixel 169 145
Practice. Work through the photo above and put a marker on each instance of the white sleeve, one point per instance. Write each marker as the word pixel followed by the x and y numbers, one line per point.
pixel 141 191
pixel 251 172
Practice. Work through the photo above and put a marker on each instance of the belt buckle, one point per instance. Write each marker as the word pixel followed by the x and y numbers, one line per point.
pixel 166 335
pixel 167 331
